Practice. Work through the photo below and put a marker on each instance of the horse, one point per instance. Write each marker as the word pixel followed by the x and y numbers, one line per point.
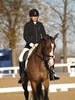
pixel 37 69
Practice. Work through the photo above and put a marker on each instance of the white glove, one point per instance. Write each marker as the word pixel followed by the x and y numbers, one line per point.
pixel 36 44
pixel 31 44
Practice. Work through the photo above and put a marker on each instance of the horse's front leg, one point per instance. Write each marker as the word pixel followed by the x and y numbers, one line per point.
pixel 46 88
pixel 46 94
pixel 35 91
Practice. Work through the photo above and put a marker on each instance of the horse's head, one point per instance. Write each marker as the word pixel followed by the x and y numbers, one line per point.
pixel 48 47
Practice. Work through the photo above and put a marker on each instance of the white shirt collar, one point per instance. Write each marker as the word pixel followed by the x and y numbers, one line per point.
pixel 34 22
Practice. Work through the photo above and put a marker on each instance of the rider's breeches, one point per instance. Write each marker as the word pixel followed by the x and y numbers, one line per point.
pixel 21 61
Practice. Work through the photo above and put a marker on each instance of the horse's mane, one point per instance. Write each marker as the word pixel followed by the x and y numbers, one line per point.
pixel 42 42
pixel 46 38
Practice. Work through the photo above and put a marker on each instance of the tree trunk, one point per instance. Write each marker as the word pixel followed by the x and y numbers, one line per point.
pixel 64 32
pixel 14 57
pixel 64 48
pixel 12 44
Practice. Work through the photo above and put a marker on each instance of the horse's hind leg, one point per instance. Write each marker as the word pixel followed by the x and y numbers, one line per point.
pixel 24 85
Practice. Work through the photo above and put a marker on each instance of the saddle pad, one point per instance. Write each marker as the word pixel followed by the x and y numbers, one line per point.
pixel 22 54
pixel 29 53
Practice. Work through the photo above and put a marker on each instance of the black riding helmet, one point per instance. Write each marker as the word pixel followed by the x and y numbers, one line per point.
pixel 33 12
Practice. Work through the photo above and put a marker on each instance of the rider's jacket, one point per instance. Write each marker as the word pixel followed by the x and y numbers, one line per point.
pixel 33 33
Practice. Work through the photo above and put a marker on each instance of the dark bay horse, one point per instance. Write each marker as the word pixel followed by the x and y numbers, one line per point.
pixel 37 71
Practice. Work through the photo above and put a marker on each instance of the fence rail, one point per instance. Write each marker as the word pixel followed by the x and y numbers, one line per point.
pixel 71 71
pixel 52 88
pixel 13 71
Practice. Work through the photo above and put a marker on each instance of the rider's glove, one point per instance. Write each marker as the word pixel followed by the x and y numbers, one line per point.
pixel 31 44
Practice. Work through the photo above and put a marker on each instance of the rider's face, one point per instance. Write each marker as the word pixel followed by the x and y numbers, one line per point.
pixel 34 18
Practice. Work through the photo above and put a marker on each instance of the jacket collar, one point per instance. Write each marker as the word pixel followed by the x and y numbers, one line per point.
pixel 33 22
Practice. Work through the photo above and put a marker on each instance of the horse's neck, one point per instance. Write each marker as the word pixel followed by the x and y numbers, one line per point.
pixel 39 50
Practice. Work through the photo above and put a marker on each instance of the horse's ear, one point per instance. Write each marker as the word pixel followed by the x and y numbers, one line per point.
pixel 56 36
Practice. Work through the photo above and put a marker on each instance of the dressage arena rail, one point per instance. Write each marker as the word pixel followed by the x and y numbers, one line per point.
pixel 13 71
pixel 52 87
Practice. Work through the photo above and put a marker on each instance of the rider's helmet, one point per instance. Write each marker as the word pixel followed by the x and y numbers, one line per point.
pixel 33 12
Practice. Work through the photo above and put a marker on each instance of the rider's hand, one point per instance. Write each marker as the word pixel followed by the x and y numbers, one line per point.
pixel 31 44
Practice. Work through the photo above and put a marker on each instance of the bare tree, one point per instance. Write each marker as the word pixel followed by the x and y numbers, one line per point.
pixel 63 15
pixel 13 15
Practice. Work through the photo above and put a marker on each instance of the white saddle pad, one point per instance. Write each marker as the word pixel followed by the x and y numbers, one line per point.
pixel 30 52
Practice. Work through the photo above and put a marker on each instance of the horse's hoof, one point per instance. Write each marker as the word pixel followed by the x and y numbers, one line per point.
pixel 21 81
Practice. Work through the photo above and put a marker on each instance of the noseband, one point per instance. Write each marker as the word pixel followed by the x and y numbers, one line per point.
pixel 46 57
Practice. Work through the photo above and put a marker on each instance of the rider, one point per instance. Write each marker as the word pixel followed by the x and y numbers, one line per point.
pixel 33 33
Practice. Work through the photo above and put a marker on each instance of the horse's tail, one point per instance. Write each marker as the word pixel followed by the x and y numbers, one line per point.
pixel 39 90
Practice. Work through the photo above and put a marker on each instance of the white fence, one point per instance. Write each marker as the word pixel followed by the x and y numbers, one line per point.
pixel 13 71
pixel 52 87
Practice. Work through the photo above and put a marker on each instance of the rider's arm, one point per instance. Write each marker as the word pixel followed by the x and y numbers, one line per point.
pixel 43 32
pixel 26 33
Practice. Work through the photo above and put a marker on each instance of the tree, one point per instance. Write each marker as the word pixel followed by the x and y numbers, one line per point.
pixel 13 14
pixel 62 13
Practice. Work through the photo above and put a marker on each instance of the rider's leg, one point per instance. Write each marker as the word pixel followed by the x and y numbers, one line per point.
pixel 22 59
pixel 21 71
pixel 52 73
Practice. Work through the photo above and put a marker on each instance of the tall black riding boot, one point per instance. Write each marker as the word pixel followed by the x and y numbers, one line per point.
pixel 21 72
pixel 52 74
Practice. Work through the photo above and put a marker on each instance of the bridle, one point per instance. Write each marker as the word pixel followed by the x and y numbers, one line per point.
pixel 46 57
